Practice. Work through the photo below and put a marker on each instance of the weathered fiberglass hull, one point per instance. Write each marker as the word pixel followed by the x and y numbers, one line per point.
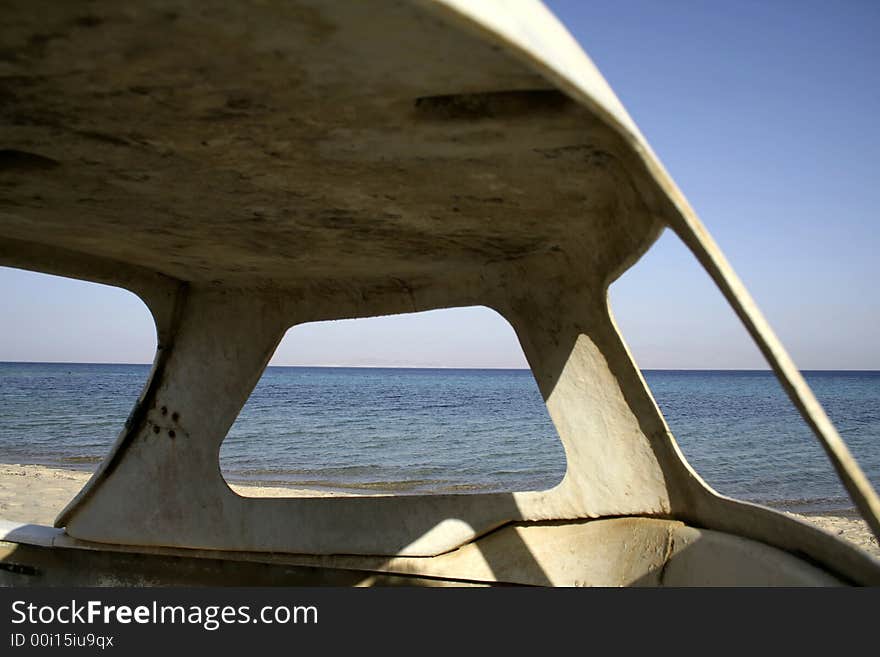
pixel 246 167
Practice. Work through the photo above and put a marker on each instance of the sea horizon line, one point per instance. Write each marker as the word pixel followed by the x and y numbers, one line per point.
pixel 447 367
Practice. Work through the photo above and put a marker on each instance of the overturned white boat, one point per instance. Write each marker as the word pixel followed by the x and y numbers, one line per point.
pixel 244 167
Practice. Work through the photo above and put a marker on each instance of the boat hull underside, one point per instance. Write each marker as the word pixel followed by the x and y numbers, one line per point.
pixel 609 552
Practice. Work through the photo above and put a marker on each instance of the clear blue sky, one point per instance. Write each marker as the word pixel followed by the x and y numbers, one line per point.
pixel 764 113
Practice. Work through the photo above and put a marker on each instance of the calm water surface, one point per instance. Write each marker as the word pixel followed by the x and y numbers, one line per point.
pixel 428 431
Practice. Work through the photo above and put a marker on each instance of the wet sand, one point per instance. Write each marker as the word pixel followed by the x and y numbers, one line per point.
pixel 36 493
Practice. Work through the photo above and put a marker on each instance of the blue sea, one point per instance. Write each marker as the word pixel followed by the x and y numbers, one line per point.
pixel 368 430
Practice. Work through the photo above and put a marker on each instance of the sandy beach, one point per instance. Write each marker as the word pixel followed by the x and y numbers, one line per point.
pixel 36 493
